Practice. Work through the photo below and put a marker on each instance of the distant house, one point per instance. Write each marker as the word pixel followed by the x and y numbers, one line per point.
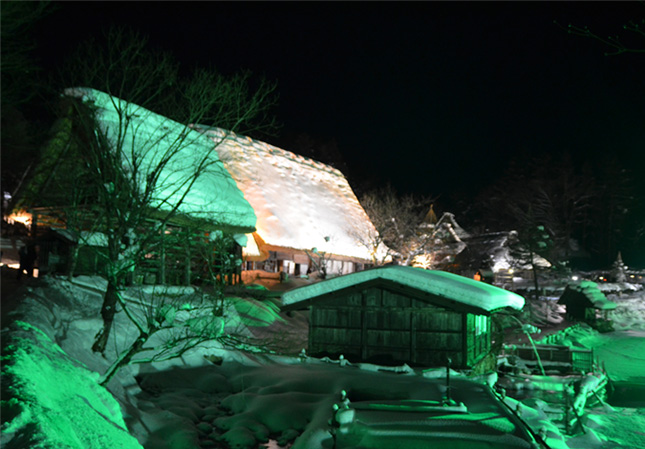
pixel 489 257
pixel 307 213
pixel 443 239
pixel 212 204
pixel 585 302
pixel 400 314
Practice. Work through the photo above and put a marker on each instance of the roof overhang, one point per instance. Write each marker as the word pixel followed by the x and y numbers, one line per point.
pixel 439 287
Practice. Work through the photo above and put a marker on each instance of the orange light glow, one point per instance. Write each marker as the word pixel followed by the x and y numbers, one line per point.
pixel 20 217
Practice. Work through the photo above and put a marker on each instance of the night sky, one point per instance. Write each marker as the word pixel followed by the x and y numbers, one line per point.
pixel 431 97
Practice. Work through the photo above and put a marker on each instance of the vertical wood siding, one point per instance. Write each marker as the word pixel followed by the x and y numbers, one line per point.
pixel 381 326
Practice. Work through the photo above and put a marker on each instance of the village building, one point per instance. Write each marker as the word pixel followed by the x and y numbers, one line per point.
pixel 398 314
pixel 66 232
pixel 308 217
pixel 488 257
pixel 441 239
pixel 585 302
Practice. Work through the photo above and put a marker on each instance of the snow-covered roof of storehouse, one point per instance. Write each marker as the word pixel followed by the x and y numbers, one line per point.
pixel 450 287
pixel 300 203
pixel 214 197
pixel 586 291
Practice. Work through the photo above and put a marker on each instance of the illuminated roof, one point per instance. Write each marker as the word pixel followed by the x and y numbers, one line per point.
pixel 449 286
pixel 300 203
pixel 214 196
pixel 586 290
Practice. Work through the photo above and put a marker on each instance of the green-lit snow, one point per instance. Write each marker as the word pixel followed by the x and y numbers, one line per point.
pixel 446 285
pixel 214 196
pixel 55 401
pixel 191 403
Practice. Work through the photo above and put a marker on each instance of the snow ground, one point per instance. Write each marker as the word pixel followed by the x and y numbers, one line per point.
pixel 51 397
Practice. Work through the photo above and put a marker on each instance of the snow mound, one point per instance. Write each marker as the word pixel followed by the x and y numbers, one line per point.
pixel 45 408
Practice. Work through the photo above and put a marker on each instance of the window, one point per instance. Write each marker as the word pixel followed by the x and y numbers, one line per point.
pixel 481 324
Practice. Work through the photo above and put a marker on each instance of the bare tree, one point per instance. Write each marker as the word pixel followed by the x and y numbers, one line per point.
pixel 632 41
pixel 141 164
pixel 169 321
pixel 397 220
pixel 23 92
pixel 541 191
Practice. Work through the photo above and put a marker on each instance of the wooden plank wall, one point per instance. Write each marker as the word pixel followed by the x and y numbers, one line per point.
pixel 380 326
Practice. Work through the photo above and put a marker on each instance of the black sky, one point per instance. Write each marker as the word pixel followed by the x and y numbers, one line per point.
pixel 432 97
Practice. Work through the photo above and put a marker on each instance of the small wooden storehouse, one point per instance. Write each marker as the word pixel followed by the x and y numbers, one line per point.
pixel 585 302
pixel 400 314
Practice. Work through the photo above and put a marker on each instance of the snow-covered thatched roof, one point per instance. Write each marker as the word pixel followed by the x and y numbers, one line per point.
pixel 491 251
pixel 214 196
pixel 448 286
pixel 300 203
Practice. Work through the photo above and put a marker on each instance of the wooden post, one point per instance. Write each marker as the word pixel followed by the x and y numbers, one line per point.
pixel 364 325
pixel 34 224
pixel 162 256
pixel 187 267
pixel 413 335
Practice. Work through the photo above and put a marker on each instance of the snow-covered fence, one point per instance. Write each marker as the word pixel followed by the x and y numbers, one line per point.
pixel 556 357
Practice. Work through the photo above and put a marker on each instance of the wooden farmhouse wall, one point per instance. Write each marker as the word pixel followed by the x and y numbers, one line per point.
pixel 379 325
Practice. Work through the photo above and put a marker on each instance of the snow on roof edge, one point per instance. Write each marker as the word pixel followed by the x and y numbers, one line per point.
pixel 447 285
pixel 214 197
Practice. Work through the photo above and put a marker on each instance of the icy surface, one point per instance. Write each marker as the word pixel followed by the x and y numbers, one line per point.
pixel 214 196
pixel 447 285
pixel 300 203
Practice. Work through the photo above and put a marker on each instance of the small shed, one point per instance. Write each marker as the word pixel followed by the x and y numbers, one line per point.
pixel 397 314
pixel 585 302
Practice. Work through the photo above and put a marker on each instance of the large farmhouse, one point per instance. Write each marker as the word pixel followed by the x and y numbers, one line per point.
pixel 307 214
pixel 399 314
pixel 153 145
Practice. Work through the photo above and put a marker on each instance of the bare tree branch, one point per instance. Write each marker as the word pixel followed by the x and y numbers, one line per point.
pixel 613 42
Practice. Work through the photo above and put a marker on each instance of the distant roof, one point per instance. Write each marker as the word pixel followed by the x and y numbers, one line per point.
pixel 300 203
pixel 449 286
pixel 491 250
pixel 214 196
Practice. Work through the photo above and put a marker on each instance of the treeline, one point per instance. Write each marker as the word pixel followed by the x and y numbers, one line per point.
pixel 590 207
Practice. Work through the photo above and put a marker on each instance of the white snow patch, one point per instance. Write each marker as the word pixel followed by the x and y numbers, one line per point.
pixel 300 203
pixel 447 285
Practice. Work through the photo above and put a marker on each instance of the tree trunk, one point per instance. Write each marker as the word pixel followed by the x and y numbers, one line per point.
pixel 536 282
pixel 107 313
pixel 125 359
pixel 73 258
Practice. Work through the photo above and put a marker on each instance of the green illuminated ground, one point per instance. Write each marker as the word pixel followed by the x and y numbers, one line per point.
pixel 50 399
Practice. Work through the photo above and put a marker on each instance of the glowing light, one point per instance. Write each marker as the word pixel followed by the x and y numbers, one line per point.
pixel 574 278
pixel 500 264
pixel 20 217
pixel 422 261
pixel 511 271
pixel 16 266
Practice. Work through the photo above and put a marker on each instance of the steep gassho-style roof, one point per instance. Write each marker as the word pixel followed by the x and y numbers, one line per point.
pixel 214 197
pixel 466 291
pixel 300 203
